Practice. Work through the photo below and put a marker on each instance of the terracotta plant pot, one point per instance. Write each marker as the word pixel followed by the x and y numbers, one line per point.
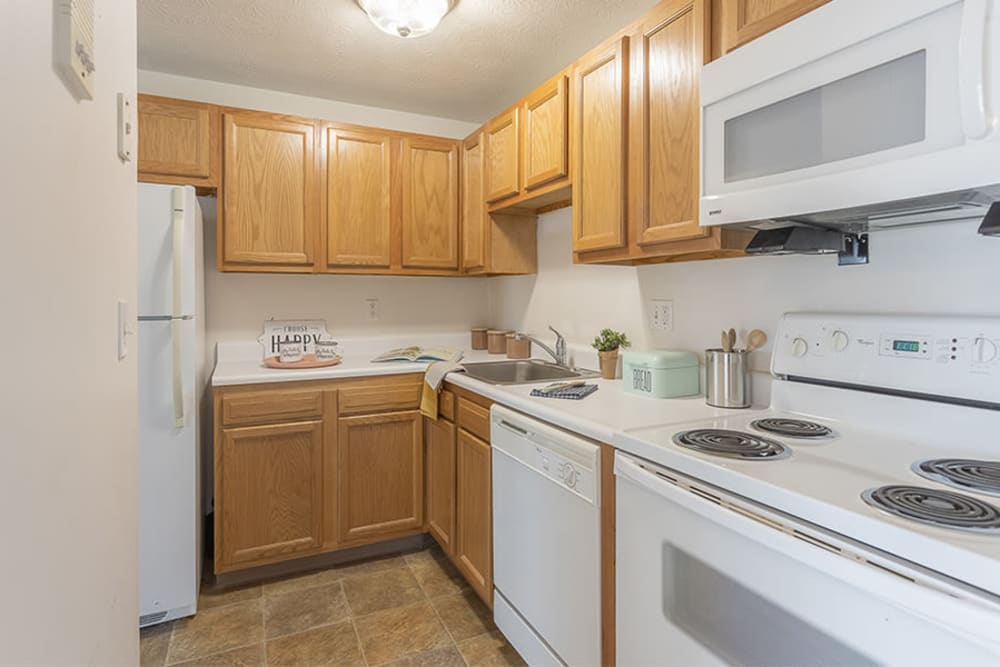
pixel 609 364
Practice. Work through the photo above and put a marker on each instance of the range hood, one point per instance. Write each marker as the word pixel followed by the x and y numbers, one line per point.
pixel 946 207
pixel 991 223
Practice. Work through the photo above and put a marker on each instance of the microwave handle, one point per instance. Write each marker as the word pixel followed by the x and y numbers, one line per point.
pixel 972 69
pixel 968 619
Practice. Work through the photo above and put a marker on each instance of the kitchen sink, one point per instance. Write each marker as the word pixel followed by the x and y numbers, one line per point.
pixel 523 371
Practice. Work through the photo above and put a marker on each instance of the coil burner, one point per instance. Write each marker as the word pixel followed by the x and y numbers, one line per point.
pixel 945 509
pixel 732 444
pixel 792 428
pixel 967 474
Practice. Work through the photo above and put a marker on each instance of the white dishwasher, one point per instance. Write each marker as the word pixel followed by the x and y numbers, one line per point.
pixel 546 541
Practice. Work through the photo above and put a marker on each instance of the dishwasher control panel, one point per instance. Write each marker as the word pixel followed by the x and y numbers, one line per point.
pixel 564 471
pixel 564 458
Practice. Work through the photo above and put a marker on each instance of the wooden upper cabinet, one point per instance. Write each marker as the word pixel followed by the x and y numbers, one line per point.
pixel 176 140
pixel 670 47
pixel 429 171
pixel 268 492
pixel 474 216
pixel 545 127
pixel 269 192
pixel 744 20
pixel 502 159
pixel 600 132
pixel 380 476
pixel 359 192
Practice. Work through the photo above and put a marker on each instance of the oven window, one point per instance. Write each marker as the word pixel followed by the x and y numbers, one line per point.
pixel 875 110
pixel 737 624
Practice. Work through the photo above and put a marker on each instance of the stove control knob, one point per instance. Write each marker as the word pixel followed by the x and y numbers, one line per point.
pixel 799 347
pixel 839 340
pixel 983 350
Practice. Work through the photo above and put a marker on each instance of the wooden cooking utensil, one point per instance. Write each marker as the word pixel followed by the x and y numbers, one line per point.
pixel 725 341
pixel 756 339
pixel 732 340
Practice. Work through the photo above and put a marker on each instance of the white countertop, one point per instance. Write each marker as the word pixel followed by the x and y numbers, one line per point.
pixel 600 416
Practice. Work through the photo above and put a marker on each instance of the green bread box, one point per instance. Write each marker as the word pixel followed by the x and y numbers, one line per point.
pixel 661 373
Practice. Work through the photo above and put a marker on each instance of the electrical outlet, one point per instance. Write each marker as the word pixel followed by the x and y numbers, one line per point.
pixel 661 314
pixel 372 309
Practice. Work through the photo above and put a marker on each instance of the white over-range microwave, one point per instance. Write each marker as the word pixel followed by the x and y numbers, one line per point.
pixel 858 113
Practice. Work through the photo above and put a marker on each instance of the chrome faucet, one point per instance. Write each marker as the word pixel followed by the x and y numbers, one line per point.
pixel 559 354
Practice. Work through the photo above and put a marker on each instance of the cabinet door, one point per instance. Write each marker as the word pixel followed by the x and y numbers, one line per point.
pixel 380 476
pixel 600 87
pixel 269 191
pixel 545 148
pixel 439 448
pixel 268 492
pixel 174 137
pixel 671 45
pixel 474 215
pixel 745 20
pixel 430 203
pixel 359 190
pixel 474 513
pixel 502 160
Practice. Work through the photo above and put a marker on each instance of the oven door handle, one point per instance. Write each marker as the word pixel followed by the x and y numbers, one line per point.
pixel 975 622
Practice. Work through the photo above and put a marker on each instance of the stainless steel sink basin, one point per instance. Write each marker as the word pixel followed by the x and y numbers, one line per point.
pixel 523 371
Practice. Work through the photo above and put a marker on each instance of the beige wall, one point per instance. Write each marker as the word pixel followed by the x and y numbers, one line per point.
pixel 938 268
pixel 68 476
pixel 237 304
pixel 169 85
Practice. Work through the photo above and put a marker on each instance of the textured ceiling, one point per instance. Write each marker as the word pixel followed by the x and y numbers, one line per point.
pixel 485 54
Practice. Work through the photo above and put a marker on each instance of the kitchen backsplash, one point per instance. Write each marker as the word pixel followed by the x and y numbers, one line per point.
pixel 944 268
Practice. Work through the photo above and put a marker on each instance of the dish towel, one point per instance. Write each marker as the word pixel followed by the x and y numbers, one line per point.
pixel 433 379
pixel 573 393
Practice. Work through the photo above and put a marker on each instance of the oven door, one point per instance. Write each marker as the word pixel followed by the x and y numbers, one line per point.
pixel 706 579
pixel 853 104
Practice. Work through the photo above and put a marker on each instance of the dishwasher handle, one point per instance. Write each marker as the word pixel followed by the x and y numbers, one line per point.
pixel 523 432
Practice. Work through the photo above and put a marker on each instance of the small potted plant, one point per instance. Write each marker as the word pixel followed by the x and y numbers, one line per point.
pixel 607 346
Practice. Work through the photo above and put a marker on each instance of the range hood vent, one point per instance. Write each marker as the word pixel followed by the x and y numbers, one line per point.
pixel 803 240
pixel 991 223
pixel 946 207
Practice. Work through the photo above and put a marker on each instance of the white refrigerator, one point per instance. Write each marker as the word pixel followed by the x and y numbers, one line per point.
pixel 171 380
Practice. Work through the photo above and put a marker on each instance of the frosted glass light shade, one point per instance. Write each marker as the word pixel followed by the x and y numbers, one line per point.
pixel 406 18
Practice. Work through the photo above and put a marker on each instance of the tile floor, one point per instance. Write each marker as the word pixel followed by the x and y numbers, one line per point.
pixel 406 611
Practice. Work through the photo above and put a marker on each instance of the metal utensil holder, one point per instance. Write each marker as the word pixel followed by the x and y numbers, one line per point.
pixel 727 378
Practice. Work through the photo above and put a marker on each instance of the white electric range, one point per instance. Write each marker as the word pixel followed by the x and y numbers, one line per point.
pixel 855 521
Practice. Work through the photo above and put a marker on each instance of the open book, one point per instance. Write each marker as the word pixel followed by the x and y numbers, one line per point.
pixel 421 354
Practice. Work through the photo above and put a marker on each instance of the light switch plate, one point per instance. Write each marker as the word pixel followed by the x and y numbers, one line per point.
pixel 127 127
pixel 661 314
pixel 125 329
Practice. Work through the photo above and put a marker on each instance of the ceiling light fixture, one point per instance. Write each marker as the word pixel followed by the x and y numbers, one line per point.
pixel 406 18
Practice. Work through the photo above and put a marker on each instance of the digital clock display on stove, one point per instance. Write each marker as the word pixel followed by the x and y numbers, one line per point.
pixel 906 346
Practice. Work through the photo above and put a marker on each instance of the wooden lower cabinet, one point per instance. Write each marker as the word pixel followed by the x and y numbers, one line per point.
pixel 268 492
pixel 474 513
pixel 439 466
pixel 380 476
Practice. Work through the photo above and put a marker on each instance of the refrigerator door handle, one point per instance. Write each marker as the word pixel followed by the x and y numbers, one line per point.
pixel 177 341
pixel 176 335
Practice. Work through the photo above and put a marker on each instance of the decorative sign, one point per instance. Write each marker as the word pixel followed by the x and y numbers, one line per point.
pixel 306 332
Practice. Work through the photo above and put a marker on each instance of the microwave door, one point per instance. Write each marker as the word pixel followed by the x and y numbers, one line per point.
pixel 878 111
